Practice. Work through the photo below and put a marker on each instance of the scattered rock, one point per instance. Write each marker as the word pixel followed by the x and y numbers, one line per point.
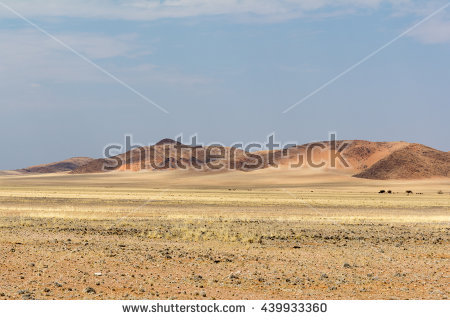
pixel 90 290
pixel 233 276
pixel 198 278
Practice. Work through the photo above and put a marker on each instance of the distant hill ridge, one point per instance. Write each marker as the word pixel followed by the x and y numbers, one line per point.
pixel 369 160
pixel 414 161
pixel 60 166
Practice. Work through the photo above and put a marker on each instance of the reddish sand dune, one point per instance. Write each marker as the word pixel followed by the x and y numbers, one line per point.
pixel 362 159
pixel 166 154
pixel 414 161
pixel 357 154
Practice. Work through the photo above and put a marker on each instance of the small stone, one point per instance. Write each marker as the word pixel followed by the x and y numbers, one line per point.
pixel 347 265
pixel 198 278
pixel 46 290
pixel 98 274
pixel 90 290
pixel 57 284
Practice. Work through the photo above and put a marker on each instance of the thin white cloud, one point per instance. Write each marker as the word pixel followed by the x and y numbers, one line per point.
pixel 143 73
pixel 156 9
pixel 433 32
pixel 102 47
pixel 27 56
pixel 96 46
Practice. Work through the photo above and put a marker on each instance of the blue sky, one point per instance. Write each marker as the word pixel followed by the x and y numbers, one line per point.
pixel 224 70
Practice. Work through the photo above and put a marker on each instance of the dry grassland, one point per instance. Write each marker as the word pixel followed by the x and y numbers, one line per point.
pixel 270 235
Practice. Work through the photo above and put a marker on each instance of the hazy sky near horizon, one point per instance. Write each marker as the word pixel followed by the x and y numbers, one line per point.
pixel 225 70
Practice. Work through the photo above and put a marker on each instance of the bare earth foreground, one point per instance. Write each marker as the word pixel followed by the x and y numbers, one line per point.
pixel 268 234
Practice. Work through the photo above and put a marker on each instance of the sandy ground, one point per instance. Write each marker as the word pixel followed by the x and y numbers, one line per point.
pixel 258 235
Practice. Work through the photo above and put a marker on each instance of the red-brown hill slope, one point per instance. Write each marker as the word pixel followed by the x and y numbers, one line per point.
pixel 370 160
pixel 366 159
pixel 60 166
pixel 414 161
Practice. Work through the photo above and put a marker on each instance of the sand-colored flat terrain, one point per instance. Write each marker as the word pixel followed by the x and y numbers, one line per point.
pixel 269 234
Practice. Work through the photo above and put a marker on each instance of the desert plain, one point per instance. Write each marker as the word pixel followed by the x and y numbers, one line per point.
pixel 267 234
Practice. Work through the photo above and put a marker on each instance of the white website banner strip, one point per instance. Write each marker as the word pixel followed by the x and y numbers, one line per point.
pixel 255 309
